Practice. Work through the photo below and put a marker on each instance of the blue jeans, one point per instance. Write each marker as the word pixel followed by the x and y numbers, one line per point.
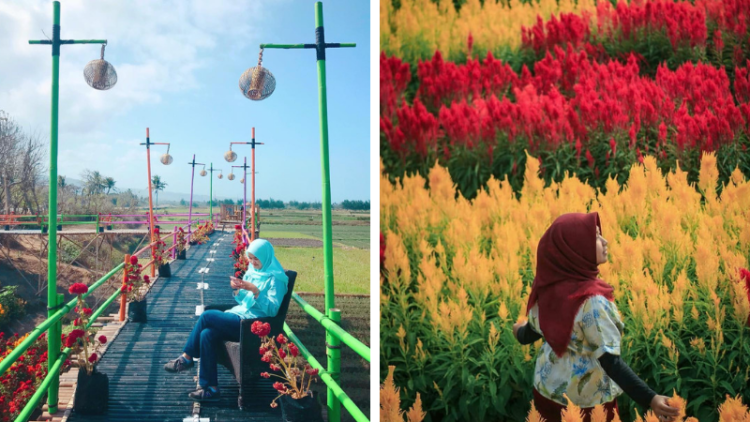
pixel 213 328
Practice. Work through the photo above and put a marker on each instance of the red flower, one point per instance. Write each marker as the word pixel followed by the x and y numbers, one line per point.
pixel 260 329
pixel 311 371
pixel 279 387
pixel 77 322
pixel 275 367
pixel 87 311
pixel 382 249
pixel 265 375
pixel 103 339
pixel 147 279
pixel 263 351
pixel 133 260
pixel 124 289
pixel 267 357
pixel 282 353
pixel 281 339
pixel 78 289
pixel 92 358
pixel 293 350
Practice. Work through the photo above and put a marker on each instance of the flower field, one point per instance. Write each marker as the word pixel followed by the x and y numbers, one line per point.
pixel 457 274
pixel 588 89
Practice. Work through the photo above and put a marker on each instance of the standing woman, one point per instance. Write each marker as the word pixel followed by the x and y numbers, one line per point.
pixel 260 293
pixel 575 313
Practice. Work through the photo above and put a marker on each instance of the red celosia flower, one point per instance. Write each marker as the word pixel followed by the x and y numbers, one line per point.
pixel 78 289
pixel 312 371
pixel 267 357
pixel 279 387
pixel 263 351
pixel 92 358
pixel 382 249
pixel 87 311
pixel 124 289
pixel 282 353
pixel 103 339
pixel 265 375
pixel 293 350
pixel 275 367
pixel 260 329
pixel 133 260
pixel 281 339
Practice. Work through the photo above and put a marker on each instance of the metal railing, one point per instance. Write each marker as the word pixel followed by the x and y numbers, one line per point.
pixel 332 327
pixel 54 367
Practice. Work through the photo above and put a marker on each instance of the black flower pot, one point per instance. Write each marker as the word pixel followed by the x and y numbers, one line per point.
pixel 182 255
pixel 193 243
pixel 137 311
pixel 109 227
pixel 44 229
pixel 101 229
pixel 92 393
pixel 165 271
pixel 304 409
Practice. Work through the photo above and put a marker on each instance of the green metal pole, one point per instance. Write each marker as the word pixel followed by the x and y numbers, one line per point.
pixel 334 363
pixel 333 346
pixel 53 337
pixel 323 109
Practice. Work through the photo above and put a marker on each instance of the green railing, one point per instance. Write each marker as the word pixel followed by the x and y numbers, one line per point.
pixel 330 376
pixel 54 367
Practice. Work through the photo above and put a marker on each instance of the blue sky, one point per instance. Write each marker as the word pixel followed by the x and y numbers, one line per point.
pixel 178 65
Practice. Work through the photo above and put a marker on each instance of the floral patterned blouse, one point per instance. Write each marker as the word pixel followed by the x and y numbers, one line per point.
pixel 597 329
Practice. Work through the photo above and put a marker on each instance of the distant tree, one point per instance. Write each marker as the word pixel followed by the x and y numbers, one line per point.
pixel 157 185
pixel 109 183
pixel 228 202
pixel 183 202
pixel 239 202
pixel 356 205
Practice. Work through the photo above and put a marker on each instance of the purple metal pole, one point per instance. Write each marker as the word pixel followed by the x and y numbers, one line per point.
pixel 174 242
pixel 244 205
pixel 190 213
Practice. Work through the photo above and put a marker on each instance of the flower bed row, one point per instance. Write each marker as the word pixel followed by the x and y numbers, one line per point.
pixel 457 274
pixel 580 116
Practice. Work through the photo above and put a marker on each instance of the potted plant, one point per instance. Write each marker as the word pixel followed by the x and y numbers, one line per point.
pixel 135 289
pixel 200 235
pixel 181 244
pixel 241 262
pixel 108 222
pixel 159 261
pixel 294 374
pixel 92 392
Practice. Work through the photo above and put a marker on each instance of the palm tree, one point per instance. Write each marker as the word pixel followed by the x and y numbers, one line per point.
pixel 109 183
pixel 157 185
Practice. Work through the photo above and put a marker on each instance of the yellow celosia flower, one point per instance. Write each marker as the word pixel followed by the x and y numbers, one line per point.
pixel 415 414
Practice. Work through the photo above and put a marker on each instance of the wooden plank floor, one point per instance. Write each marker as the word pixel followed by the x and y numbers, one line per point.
pixel 140 389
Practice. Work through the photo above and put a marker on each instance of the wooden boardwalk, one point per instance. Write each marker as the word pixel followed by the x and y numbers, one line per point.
pixel 140 389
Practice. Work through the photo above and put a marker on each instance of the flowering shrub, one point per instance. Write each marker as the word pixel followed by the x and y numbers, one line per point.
pixel 181 242
pixel 390 403
pixel 732 410
pixel 200 235
pixel 457 275
pixel 80 338
pixel 11 306
pixel 158 249
pixel 240 260
pixel 134 284
pixel 19 383
pixel 285 359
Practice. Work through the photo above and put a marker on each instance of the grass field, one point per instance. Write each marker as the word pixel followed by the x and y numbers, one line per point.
pixel 351 269
pixel 356 236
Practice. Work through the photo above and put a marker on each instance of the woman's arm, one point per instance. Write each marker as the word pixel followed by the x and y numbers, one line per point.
pixel 526 335
pixel 269 301
pixel 630 383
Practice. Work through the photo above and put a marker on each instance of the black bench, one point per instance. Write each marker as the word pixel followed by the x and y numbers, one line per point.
pixel 242 358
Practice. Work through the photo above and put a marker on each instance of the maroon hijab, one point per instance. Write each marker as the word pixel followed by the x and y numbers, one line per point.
pixel 566 275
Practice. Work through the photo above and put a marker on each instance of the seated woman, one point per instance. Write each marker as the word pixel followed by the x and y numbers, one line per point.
pixel 260 293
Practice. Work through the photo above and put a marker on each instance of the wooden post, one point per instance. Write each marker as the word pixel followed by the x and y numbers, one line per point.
pixel 123 297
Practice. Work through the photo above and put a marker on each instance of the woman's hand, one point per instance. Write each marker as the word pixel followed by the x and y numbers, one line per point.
pixel 235 282
pixel 251 287
pixel 517 326
pixel 662 410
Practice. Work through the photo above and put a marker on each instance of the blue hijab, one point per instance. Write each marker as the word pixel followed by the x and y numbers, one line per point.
pixel 263 250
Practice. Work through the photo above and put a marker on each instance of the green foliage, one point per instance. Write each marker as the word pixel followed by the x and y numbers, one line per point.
pixel 11 306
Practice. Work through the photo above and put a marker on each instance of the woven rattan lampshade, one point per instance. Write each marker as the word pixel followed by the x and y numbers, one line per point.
pixel 203 172
pixel 257 83
pixel 166 159
pixel 230 176
pixel 230 156
pixel 100 74
pixel 220 176
pixel 242 180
